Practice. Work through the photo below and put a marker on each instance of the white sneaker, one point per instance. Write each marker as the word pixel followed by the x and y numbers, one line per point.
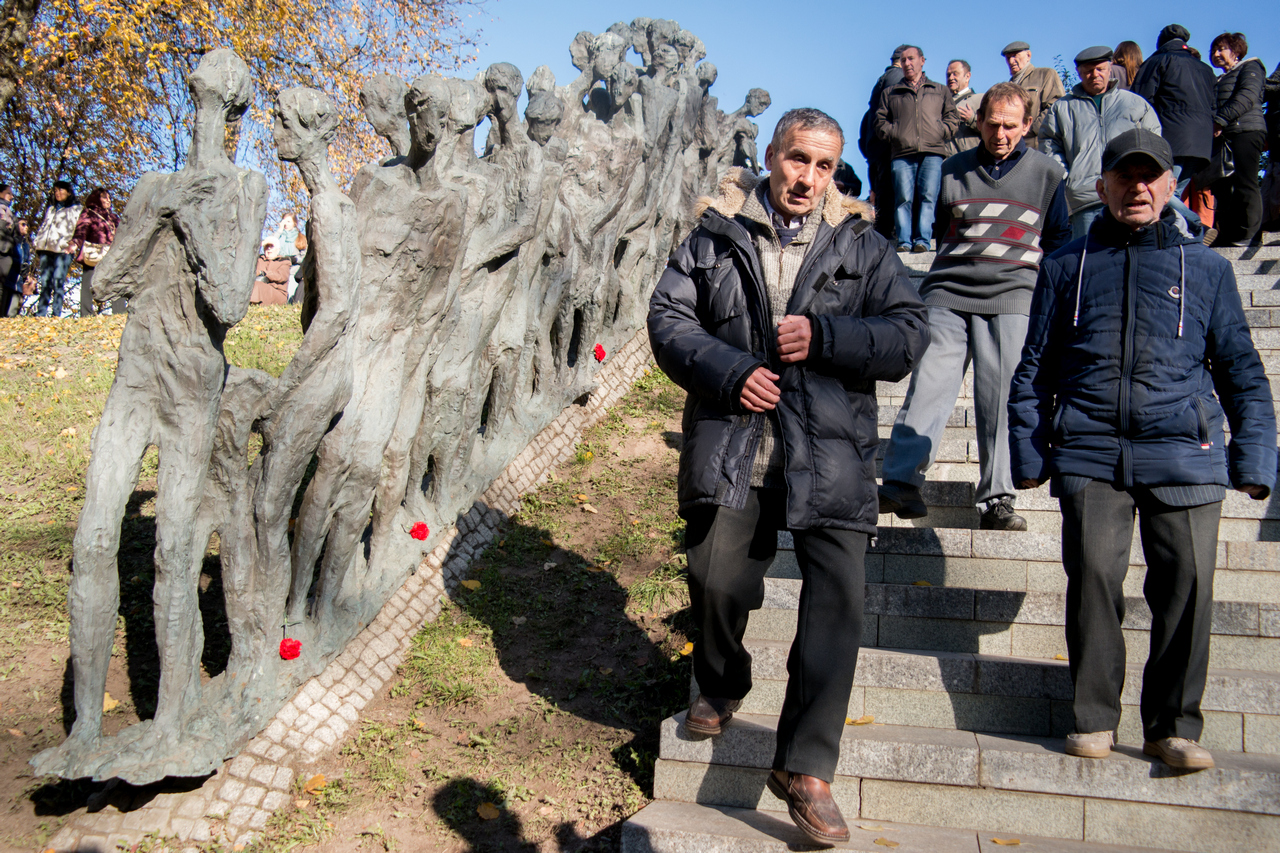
pixel 1091 745
pixel 1179 752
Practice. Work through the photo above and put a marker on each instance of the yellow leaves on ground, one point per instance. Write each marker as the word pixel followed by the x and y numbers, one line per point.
pixel 487 811
pixel 884 842
pixel 60 373
pixel 471 585
pixel 580 498
pixel 1059 657
pixel 921 583
pixel 1007 842
pixel 302 804
pixel 519 620
pixel 314 784
pixel 465 642
pixel 109 704
pixel 17 732
pixel 864 720
pixel 70 432
pixel 606 670
pixel 589 508
pixel 687 650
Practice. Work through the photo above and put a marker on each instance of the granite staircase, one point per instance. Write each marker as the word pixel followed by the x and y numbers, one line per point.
pixel 963 669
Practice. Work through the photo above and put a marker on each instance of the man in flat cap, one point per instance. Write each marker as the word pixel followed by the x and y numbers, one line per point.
pixel 1137 352
pixel 1078 127
pixel 1042 84
pixel 1181 88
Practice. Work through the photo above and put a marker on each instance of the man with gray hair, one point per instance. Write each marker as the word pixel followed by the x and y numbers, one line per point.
pixel 778 315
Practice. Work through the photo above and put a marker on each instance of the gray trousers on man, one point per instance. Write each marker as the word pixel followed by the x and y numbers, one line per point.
pixel 993 342
pixel 1181 546
pixel 729 552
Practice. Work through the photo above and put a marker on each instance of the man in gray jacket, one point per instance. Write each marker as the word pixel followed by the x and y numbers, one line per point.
pixel 967 102
pixel 1078 127
pixel 916 117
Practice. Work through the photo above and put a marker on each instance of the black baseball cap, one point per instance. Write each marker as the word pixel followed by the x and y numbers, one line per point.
pixel 1137 141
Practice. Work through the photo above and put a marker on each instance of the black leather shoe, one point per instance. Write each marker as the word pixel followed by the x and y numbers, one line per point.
pixel 902 499
pixel 708 716
pixel 811 806
pixel 1000 516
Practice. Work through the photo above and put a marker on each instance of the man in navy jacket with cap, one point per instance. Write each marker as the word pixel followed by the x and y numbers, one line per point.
pixel 1137 352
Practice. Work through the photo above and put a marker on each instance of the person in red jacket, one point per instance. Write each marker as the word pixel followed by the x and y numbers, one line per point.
pixel 95 231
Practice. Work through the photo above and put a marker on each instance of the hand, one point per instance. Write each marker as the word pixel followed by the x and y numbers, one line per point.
pixel 966 112
pixel 794 336
pixel 760 394
pixel 1217 131
pixel 1030 484
pixel 1254 491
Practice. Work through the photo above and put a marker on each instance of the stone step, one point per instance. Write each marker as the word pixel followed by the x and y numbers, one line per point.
pixel 991 693
pixel 1268 252
pixel 1245 635
pixel 672 827
pixel 725 770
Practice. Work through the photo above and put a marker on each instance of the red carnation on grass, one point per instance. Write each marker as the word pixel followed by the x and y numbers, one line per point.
pixel 599 352
pixel 290 648
pixel 420 531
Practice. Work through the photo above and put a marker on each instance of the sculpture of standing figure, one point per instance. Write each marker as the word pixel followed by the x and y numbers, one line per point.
pixel 184 256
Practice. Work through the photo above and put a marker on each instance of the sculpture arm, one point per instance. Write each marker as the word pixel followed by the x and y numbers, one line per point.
pixel 120 272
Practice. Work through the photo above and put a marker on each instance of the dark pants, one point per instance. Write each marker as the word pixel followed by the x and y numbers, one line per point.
pixel 729 553
pixel 10 302
pixel 881 177
pixel 1181 545
pixel 54 267
pixel 1238 214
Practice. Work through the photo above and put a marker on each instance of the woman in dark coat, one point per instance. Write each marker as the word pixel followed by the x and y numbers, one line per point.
pixel 1238 121
pixel 96 228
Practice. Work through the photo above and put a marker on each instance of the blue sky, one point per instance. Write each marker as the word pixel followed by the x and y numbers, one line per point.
pixel 828 54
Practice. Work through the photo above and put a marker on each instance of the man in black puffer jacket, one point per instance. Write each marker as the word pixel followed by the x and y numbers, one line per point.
pixel 778 315
pixel 1134 330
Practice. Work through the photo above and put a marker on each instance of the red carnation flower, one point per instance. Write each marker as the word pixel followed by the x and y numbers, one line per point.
pixel 290 648
pixel 420 531
pixel 599 352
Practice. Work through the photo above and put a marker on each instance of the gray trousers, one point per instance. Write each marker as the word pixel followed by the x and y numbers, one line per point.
pixel 993 342
pixel 1181 546
pixel 729 552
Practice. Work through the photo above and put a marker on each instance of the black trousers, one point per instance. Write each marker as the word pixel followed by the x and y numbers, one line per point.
pixel 729 553
pixel 1181 545
pixel 1238 198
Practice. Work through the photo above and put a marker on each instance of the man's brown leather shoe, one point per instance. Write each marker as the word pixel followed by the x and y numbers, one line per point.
pixel 811 806
pixel 708 716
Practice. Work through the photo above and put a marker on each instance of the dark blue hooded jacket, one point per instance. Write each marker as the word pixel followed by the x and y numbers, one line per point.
pixel 1121 365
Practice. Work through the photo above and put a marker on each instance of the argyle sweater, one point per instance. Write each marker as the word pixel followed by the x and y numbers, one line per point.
pixel 990 254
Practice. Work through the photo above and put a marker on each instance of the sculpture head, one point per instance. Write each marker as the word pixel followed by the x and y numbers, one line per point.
pixel 689 47
pixel 221 83
pixel 540 81
pixel 426 104
pixel 503 81
pixel 661 32
pixel 606 52
pixel 382 99
pixel 640 37
pixel 623 83
pixel 306 122
pixel 543 115
pixel 665 60
pixel 758 101
pixel 706 74
pixel 580 50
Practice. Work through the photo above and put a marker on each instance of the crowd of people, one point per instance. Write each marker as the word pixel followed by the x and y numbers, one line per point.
pixel 1217 126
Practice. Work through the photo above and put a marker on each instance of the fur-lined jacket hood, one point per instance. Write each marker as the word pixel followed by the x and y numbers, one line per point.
pixel 738 184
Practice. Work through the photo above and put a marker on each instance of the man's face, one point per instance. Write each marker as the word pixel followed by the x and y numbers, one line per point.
pixel 1003 127
pixel 912 65
pixel 801 169
pixel 957 78
pixel 1094 76
pixel 1018 61
pixel 1136 191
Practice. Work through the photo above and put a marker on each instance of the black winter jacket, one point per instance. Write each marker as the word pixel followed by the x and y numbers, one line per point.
pixel 1272 95
pixel 710 327
pixel 1181 88
pixel 1239 95
pixel 1120 369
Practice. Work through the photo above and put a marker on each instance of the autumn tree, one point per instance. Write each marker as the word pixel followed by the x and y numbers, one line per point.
pixel 100 95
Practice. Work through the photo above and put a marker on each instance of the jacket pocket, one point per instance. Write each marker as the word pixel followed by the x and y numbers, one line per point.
pixel 1202 419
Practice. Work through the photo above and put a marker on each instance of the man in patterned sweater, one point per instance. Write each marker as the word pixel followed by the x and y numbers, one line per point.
pixel 1002 206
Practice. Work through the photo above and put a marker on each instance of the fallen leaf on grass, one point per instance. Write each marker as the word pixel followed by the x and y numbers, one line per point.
pixel 302 804
pixel 606 670
pixel 16 732
pixel 580 498
pixel 687 650
pixel 884 842
pixel 547 566
pixel 471 585
pixel 1007 842
pixel 640 661
pixel 464 641
pixel 314 784
pixel 519 620
pixel 864 720
pixel 109 704
pixel 589 508
pixel 59 374
pixel 487 811
pixel 68 431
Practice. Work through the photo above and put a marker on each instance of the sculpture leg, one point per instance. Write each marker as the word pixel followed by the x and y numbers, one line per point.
pixel 120 441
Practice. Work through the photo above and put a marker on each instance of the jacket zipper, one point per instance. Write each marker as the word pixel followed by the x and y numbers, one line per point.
pixel 1203 418
pixel 1126 365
